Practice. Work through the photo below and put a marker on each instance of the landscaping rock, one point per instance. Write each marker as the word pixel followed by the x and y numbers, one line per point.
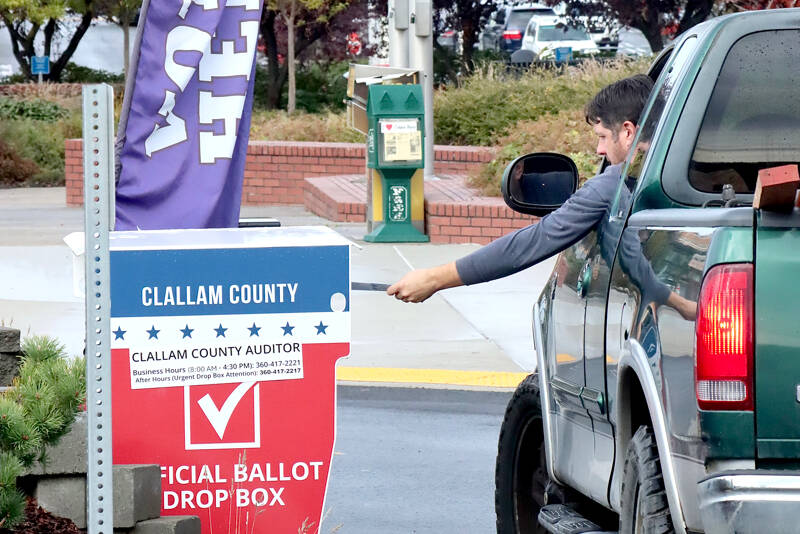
pixel 69 455
pixel 9 355
pixel 9 339
pixel 176 524
pixel 137 495
pixel 9 368
pixel 64 496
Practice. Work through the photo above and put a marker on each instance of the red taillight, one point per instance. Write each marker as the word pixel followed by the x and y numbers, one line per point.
pixel 724 339
pixel 512 35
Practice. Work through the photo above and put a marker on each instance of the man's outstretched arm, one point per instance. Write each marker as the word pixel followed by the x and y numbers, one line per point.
pixel 420 284
pixel 520 249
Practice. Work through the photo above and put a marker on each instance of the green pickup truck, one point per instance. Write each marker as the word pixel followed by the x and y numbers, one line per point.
pixel 640 418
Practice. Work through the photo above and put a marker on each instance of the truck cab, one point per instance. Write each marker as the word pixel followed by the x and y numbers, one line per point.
pixel 645 413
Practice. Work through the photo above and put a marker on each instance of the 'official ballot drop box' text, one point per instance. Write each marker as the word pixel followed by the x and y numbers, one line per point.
pixel 224 346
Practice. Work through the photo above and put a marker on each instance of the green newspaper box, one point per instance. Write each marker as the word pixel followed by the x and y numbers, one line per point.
pixel 395 116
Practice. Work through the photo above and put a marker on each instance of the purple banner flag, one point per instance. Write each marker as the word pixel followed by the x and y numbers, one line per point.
pixel 185 123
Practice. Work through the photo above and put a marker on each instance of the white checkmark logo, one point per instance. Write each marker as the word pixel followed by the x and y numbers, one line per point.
pixel 219 417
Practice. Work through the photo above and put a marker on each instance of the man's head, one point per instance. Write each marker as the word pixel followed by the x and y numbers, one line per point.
pixel 614 115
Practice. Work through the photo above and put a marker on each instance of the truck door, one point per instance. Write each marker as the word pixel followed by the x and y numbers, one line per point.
pixel 573 428
pixel 620 247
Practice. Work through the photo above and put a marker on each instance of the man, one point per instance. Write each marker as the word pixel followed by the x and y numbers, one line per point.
pixel 614 114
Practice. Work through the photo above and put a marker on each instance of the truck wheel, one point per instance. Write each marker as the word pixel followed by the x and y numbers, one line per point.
pixel 521 476
pixel 645 508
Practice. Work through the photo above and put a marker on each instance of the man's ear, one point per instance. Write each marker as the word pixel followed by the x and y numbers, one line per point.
pixel 628 131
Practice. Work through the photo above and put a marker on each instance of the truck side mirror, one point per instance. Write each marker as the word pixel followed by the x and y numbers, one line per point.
pixel 539 183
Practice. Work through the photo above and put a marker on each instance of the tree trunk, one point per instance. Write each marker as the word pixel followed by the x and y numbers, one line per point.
pixel 16 42
pixel 276 75
pixel 58 67
pixel 650 27
pixel 468 38
pixel 49 30
pixel 655 39
pixel 290 107
pixel 695 12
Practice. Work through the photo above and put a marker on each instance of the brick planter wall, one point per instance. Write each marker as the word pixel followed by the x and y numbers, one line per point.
pixel 329 179
pixel 454 213
pixel 275 170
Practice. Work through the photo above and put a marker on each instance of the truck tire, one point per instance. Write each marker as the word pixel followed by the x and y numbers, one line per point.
pixel 521 479
pixel 645 508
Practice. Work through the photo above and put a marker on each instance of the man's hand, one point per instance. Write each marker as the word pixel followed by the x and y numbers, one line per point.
pixel 685 307
pixel 420 284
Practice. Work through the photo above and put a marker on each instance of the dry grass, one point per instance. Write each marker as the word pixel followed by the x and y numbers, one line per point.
pixel 279 126
pixel 492 101
pixel 565 132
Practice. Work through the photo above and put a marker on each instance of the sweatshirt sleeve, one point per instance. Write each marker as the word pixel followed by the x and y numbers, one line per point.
pixel 635 265
pixel 555 232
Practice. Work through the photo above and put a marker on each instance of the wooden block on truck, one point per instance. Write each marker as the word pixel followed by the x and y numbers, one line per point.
pixel 776 188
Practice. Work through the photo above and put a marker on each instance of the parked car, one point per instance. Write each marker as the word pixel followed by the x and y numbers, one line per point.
pixel 543 35
pixel 641 416
pixel 503 32
pixel 632 42
pixel 450 39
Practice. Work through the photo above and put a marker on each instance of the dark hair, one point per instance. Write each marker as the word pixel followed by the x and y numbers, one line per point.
pixel 621 101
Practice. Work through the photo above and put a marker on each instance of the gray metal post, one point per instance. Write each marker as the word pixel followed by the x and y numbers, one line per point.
pixel 421 58
pixel 398 33
pixel 98 194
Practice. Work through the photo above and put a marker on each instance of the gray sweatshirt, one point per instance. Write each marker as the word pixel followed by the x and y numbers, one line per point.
pixel 559 230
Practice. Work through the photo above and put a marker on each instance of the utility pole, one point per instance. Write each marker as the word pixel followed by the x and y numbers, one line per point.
pixel 398 33
pixel 420 57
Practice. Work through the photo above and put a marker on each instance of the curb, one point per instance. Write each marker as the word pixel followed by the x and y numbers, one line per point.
pixel 433 377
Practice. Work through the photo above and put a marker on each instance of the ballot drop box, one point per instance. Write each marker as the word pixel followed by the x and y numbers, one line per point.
pixel 224 346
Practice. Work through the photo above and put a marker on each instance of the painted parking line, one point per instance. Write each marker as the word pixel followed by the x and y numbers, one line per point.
pixel 497 379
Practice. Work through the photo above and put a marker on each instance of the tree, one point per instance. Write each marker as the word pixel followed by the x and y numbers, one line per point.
pixel 123 13
pixel 658 19
pixel 296 14
pixel 24 19
pixel 41 407
pixel 655 18
pixel 749 5
pixel 467 17
pixel 310 28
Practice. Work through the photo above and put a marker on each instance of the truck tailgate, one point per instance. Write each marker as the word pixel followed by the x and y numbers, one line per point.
pixel 777 336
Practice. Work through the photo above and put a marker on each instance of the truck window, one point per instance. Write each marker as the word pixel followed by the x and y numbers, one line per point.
pixel 753 117
pixel 649 121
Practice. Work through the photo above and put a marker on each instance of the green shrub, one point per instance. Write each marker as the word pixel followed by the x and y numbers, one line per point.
pixel 38 141
pixel 73 73
pixel 489 103
pixel 35 413
pixel 41 110
pixel 446 66
pixel 15 78
pixel 14 169
pixel 321 87
pixel 565 132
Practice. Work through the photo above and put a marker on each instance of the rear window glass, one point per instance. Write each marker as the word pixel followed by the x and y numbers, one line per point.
pixel 519 18
pixel 753 118
pixel 562 33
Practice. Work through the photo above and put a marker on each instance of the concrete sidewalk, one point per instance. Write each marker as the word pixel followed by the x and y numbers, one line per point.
pixel 478 336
